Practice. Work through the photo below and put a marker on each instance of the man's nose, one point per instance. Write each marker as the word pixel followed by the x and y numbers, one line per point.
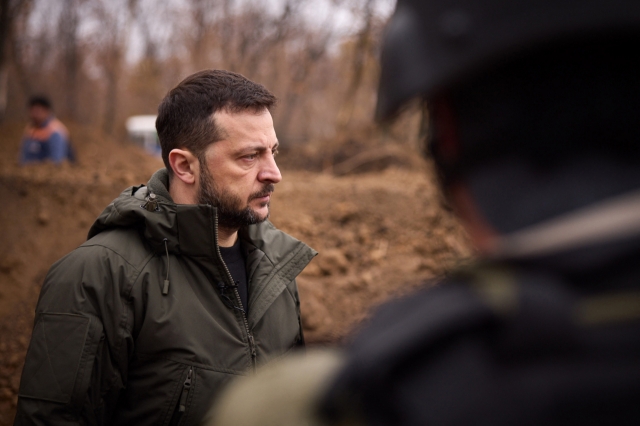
pixel 270 171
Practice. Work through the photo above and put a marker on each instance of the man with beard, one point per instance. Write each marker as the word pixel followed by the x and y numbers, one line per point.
pixel 182 284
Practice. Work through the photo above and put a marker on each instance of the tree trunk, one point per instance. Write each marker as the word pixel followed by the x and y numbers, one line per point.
pixel 4 63
pixel 111 102
pixel 69 36
pixel 359 57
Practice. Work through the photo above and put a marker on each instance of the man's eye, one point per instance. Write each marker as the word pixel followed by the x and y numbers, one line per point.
pixel 274 152
pixel 251 156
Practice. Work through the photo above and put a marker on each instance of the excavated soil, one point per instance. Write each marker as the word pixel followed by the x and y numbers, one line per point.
pixel 380 234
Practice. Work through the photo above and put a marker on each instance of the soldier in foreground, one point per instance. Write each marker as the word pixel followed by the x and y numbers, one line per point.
pixel 534 111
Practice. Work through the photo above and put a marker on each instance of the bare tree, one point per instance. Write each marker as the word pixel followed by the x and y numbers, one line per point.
pixel 314 50
pixel 68 33
pixel 202 24
pixel 4 41
pixel 9 12
pixel 227 32
pixel 361 49
pixel 145 83
pixel 110 47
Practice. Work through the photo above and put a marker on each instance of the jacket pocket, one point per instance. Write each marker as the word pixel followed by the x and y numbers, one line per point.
pixel 185 393
pixel 60 358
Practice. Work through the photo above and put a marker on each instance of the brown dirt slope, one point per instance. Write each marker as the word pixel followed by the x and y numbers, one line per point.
pixel 379 235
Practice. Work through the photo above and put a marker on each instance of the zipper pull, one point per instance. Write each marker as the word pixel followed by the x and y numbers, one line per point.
pixel 252 345
pixel 185 391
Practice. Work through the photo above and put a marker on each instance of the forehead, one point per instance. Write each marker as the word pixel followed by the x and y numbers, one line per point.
pixel 242 125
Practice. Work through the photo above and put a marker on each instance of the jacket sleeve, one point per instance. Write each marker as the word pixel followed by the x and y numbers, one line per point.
pixel 77 358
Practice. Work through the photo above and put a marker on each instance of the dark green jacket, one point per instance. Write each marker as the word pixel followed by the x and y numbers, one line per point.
pixel 114 343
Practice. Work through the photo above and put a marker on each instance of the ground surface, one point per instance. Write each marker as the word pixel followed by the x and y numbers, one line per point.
pixel 379 235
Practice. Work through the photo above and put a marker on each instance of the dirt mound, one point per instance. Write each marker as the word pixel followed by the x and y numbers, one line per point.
pixel 379 235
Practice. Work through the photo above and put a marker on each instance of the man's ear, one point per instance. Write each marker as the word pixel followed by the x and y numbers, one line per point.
pixel 185 165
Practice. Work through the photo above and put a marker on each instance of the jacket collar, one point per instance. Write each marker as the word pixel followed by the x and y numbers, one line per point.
pixel 273 257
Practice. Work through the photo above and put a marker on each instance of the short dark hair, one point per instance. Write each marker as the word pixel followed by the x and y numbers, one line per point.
pixel 185 115
pixel 39 100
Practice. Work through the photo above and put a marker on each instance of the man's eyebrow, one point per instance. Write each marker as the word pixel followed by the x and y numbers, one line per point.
pixel 257 148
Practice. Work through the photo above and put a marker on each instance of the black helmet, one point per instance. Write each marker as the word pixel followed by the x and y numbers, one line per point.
pixel 432 44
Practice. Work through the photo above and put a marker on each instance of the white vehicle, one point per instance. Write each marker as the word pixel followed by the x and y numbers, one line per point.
pixel 142 131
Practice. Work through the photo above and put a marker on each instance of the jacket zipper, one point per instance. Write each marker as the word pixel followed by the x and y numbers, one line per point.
pixel 252 343
pixel 185 392
pixel 182 400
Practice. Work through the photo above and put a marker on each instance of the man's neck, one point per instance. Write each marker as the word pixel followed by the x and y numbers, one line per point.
pixel 180 193
pixel 227 237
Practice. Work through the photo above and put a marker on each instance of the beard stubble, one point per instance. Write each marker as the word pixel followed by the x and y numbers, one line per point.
pixel 231 213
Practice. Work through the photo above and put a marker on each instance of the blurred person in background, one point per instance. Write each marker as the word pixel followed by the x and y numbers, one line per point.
pixel 183 283
pixel 45 137
pixel 533 109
